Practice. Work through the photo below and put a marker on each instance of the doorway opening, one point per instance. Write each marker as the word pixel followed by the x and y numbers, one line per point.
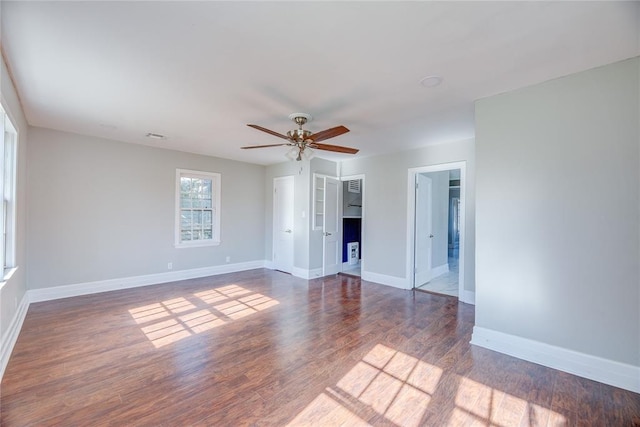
pixel 352 216
pixel 436 228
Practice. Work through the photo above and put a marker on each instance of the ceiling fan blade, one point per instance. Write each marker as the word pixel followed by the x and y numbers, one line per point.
pixel 336 148
pixel 262 146
pixel 279 135
pixel 329 133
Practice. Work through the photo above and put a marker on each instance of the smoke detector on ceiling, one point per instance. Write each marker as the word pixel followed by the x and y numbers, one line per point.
pixel 431 81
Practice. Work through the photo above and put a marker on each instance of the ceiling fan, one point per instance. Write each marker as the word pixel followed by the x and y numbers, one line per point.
pixel 302 141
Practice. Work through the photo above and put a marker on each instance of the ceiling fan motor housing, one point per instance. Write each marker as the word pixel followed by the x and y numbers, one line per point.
pixel 298 135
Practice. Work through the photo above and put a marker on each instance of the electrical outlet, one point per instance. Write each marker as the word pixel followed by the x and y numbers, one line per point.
pixel 228 259
pixel 170 266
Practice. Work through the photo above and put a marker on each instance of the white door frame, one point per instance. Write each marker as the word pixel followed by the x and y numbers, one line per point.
pixel 411 217
pixel 274 237
pixel 362 221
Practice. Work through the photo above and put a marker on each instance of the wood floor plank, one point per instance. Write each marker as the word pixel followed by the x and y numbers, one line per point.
pixel 264 348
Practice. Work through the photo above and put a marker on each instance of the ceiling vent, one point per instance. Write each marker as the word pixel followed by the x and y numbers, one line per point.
pixel 353 186
pixel 155 136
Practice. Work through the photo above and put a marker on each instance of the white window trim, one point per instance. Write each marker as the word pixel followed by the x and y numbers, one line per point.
pixel 216 187
pixel 9 141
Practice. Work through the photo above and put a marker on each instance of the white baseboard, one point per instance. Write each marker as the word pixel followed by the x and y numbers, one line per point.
pixel 423 277
pixel 298 272
pixel 439 270
pixel 77 289
pixel 468 297
pixel 584 365
pixel 10 337
pixel 307 274
pixel 383 279
pixel 346 266
pixel 428 275
pixel 314 273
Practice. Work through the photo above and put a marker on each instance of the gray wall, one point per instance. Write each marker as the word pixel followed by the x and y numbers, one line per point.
pixel 557 259
pixel 439 217
pixel 14 289
pixel 101 209
pixel 385 187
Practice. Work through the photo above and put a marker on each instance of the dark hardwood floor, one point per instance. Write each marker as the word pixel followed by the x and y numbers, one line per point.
pixel 265 348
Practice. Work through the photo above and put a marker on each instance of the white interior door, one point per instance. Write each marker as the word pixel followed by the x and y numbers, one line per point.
pixel 283 224
pixel 423 230
pixel 331 256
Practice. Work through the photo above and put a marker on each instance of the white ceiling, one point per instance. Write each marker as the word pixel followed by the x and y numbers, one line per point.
pixel 198 72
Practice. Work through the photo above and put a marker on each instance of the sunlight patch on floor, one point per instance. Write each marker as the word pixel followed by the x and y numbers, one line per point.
pixel 325 411
pixel 385 382
pixel 398 387
pixel 148 313
pixel 478 404
pixel 169 321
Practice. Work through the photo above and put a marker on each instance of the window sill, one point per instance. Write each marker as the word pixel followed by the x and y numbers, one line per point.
pixel 8 272
pixel 198 244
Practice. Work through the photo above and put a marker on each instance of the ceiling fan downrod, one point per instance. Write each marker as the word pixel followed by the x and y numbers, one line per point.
pixel 299 136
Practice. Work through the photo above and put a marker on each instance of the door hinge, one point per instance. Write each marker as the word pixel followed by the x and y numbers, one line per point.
pixel 417 185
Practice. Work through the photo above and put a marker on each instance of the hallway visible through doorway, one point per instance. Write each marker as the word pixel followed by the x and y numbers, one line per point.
pixel 437 231
pixel 446 283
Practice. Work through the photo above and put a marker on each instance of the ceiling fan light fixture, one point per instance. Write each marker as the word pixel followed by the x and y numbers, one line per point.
pixel 292 154
pixel 308 154
pixel 300 152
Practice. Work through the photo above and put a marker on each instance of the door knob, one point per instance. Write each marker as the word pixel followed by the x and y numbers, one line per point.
pixel 288 230
pixel 327 234
pixel 431 236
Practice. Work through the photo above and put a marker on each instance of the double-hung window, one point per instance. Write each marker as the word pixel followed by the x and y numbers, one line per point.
pixel 197 208
pixel 8 143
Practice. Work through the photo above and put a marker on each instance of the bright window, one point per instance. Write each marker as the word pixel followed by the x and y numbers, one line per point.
pixel 197 208
pixel 8 138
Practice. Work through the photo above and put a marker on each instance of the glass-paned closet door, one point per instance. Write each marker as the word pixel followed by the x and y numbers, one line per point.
pixel 318 201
